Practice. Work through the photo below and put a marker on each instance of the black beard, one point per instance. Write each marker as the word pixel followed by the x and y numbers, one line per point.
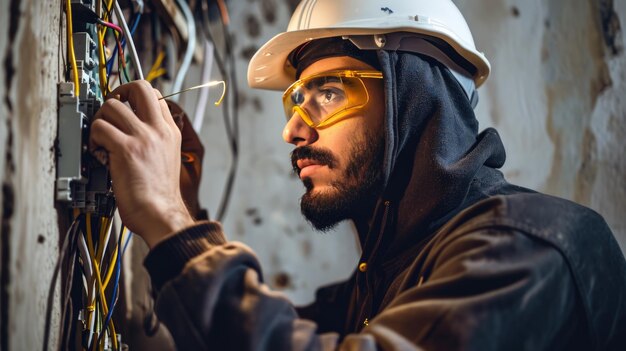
pixel 355 193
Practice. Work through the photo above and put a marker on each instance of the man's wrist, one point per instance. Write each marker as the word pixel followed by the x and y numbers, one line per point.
pixel 166 224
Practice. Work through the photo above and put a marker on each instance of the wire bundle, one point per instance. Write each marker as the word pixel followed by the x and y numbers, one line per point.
pixel 98 269
pixel 93 250
pixel 122 36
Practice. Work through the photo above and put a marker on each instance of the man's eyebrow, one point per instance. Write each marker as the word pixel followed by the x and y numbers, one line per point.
pixel 314 83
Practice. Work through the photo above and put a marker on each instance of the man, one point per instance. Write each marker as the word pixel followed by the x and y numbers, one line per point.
pixel 380 114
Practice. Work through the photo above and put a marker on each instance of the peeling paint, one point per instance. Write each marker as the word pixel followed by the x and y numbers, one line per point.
pixel 611 27
pixel 587 172
pixel 282 281
pixel 515 11
pixel 268 9
pixel 253 27
pixel 247 52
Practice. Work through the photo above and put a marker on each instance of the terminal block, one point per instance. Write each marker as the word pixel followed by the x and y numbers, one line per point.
pixel 82 182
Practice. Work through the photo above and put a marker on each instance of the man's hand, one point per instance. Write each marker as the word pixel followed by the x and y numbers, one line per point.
pixel 143 144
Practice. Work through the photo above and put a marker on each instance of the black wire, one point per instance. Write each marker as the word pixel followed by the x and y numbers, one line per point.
pixel 231 125
pixel 69 282
pixel 55 275
pixel 112 306
pixel 221 67
pixel 67 326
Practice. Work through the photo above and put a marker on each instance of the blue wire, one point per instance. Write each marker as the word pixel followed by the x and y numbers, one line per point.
pixel 130 235
pixel 118 269
pixel 123 43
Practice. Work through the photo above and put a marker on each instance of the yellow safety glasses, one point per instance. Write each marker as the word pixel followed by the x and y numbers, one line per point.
pixel 326 98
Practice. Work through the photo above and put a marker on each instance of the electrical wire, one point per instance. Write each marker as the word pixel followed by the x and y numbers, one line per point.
pixel 223 12
pixel 55 274
pixel 203 96
pixel 69 280
pixel 221 211
pixel 130 236
pixel 70 41
pixel 231 127
pixel 191 46
pixel 131 43
pixel 121 64
pixel 136 20
pixel 104 235
pixel 110 269
pixel 102 299
pixel 118 265
pixel 111 25
pixel 205 85
pixel 156 70
pixel 102 64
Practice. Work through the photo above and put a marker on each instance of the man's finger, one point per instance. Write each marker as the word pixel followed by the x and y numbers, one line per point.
pixel 142 99
pixel 104 134
pixel 167 115
pixel 119 115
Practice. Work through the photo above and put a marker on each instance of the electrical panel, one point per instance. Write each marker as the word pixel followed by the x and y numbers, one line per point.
pixel 83 188
pixel 82 182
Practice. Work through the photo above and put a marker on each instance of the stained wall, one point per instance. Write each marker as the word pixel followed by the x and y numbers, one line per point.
pixel 555 95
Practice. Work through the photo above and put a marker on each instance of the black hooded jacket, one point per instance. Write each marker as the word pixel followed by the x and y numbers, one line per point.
pixel 454 258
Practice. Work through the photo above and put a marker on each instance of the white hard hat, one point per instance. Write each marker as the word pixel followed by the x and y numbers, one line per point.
pixel 432 27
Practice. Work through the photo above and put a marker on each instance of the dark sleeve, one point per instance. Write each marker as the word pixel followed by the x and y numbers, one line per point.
pixel 485 290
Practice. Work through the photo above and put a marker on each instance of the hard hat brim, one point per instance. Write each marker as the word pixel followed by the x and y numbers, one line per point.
pixel 270 69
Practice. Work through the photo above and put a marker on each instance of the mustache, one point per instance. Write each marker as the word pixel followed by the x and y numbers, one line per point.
pixel 319 155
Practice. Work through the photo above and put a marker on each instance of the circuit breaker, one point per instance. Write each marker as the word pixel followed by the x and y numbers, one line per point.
pixel 82 182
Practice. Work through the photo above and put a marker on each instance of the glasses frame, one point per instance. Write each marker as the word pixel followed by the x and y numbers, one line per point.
pixel 340 114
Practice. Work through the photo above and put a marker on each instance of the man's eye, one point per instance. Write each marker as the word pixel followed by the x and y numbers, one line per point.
pixel 329 96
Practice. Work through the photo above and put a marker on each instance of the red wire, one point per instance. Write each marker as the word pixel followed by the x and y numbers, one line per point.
pixel 112 26
pixel 223 11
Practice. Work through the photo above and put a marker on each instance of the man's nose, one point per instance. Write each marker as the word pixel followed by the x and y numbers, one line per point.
pixel 298 133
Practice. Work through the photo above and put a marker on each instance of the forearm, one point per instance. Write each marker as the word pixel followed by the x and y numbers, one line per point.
pixel 217 299
pixel 210 295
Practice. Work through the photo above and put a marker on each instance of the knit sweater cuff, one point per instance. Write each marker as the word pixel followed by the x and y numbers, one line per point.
pixel 168 258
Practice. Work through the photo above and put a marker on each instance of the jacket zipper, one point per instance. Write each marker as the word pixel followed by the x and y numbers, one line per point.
pixel 365 312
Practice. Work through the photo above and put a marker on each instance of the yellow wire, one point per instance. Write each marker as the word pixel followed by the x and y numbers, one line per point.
pixel 104 87
pixel 158 61
pixel 91 299
pixel 112 264
pixel 70 41
pixel 102 299
pixel 156 74
pixel 101 238
pixel 155 71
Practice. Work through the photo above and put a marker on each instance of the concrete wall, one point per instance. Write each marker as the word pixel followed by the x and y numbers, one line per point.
pixel 30 59
pixel 555 95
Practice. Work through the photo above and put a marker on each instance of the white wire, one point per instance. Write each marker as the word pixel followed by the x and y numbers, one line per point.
pixel 191 46
pixel 203 97
pixel 129 39
pixel 84 255
pixel 92 326
pixel 88 269
pixel 106 242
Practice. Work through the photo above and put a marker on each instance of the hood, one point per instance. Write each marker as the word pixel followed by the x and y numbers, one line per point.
pixel 436 163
